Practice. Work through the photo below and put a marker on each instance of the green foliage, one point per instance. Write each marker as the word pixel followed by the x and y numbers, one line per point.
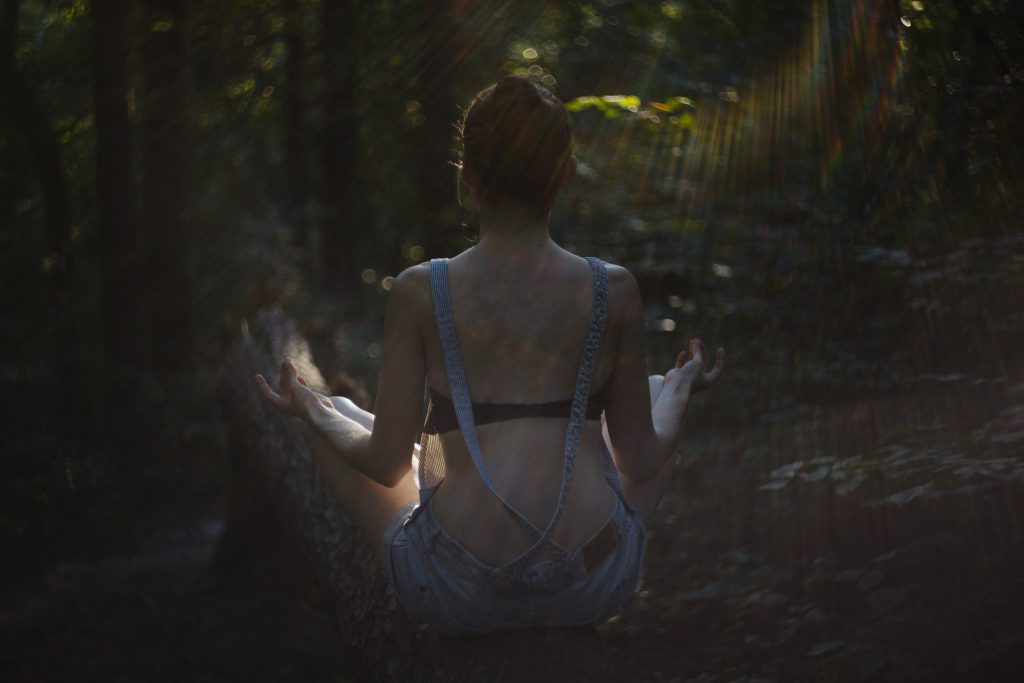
pixel 653 113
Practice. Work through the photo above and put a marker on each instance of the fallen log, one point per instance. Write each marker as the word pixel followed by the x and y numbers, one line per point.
pixel 276 485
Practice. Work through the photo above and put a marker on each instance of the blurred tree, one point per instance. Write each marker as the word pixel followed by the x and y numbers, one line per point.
pixel 339 146
pixel 37 135
pixel 435 61
pixel 294 123
pixel 125 325
pixel 165 190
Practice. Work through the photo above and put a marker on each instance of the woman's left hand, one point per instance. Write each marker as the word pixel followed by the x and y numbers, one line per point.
pixel 691 372
pixel 295 397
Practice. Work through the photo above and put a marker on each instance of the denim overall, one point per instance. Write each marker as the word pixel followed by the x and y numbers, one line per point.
pixel 440 582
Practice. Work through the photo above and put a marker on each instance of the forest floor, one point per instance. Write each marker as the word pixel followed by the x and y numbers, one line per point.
pixel 849 520
pixel 903 562
pixel 159 612
pixel 889 547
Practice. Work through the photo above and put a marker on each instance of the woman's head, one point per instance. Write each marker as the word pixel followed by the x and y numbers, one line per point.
pixel 516 144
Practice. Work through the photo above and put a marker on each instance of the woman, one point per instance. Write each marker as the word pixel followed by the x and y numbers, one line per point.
pixel 536 469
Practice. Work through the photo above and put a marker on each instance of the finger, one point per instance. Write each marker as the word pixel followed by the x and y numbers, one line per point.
pixel 711 376
pixel 654 383
pixel 282 376
pixel 697 350
pixel 288 373
pixel 681 359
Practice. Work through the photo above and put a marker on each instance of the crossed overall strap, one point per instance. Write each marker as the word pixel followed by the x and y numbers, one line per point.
pixel 463 405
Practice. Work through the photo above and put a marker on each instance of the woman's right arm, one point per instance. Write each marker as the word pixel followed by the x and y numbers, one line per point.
pixel 643 436
pixel 383 453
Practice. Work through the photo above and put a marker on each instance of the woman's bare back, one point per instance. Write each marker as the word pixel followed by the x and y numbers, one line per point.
pixel 521 331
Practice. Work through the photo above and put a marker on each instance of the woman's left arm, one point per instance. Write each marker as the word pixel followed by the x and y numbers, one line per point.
pixel 385 454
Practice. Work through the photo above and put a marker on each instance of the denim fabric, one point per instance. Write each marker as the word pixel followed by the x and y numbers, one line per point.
pixel 440 582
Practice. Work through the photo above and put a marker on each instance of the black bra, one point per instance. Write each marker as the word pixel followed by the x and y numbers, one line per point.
pixel 441 416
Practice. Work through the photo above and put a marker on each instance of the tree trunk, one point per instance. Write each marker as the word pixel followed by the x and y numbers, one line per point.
pixel 294 113
pixel 120 240
pixel 438 56
pixel 339 150
pixel 34 123
pixel 274 478
pixel 165 189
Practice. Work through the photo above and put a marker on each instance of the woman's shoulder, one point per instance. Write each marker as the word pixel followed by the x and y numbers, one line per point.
pixel 619 276
pixel 414 276
pixel 411 289
pixel 622 286
pixel 624 300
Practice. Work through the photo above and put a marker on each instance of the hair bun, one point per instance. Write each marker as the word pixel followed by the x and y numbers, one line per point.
pixel 515 88
pixel 516 139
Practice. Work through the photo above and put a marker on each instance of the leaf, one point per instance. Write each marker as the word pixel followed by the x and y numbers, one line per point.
pixel 678 103
pixel 581 103
pixel 1009 437
pixel 686 121
pixel 787 471
pixel 976 469
pixel 850 484
pixel 817 474
pixel 623 101
pixel 904 497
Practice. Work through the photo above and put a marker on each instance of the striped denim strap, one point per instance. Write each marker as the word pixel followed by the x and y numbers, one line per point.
pixel 581 395
pixel 459 387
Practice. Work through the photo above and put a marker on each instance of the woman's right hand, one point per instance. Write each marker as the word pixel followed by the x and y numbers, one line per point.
pixel 690 373
pixel 295 398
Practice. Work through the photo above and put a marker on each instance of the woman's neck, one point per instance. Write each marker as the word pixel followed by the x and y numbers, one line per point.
pixel 505 229
pixel 513 252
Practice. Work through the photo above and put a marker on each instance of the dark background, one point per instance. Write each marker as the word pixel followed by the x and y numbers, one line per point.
pixel 829 188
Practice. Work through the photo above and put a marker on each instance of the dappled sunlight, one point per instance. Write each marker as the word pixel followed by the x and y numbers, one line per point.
pixel 832 190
